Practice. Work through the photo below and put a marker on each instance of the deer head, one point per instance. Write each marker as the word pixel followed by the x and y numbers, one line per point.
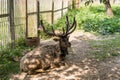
pixel 63 37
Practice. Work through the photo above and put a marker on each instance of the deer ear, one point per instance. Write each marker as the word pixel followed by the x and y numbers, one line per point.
pixel 56 39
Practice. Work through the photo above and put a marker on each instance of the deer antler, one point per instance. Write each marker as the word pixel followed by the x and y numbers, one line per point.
pixel 49 33
pixel 69 29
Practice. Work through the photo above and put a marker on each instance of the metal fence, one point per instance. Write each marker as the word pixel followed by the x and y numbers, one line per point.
pixel 51 10
pixel 6 23
pixel 12 23
pixel 20 18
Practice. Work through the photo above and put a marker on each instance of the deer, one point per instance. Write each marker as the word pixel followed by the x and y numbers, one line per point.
pixel 62 38
pixel 48 56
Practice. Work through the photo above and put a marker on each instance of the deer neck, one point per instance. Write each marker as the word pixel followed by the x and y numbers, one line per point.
pixel 64 50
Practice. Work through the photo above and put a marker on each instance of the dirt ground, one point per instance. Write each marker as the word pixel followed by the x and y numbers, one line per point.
pixel 80 64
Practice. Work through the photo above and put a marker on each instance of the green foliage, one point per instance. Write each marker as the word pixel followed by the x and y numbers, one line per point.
pixel 88 2
pixel 102 1
pixel 7 64
pixel 16 51
pixel 93 19
pixel 7 67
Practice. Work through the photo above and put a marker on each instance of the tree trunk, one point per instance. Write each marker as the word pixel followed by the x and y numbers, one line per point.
pixel 108 8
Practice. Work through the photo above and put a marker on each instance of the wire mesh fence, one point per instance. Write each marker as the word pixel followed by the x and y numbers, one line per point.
pixel 12 23
pixel 19 18
pixel 4 24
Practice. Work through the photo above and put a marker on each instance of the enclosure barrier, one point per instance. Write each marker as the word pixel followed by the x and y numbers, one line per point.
pixel 20 18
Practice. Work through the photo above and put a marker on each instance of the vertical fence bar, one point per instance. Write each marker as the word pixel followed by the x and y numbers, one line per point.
pixel 11 21
pixel 73 4
pixel 62 8
pixel 38 18
pixel 52 12
pixel 69 4
pixel 26 35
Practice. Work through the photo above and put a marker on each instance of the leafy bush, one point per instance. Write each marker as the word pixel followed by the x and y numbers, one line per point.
pixel 94 19
pixel 16 51
pixel 8 65
pixel 91 19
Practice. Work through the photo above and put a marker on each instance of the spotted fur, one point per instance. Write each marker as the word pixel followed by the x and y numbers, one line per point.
pixel 43 57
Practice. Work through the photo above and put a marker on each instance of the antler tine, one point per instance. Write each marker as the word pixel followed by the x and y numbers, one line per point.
pixel 72 24
pixel 73 27
pixel 49 33
pixel 43 26
pixel 67 24
pixel 53 31
pixel 63 31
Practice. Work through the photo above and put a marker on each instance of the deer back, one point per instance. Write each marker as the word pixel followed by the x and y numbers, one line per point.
pixel 40 58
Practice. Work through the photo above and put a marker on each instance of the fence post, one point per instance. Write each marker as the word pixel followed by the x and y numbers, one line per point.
pixel 52 11
pixel 26 34
pixel 77 4
pixel 62 8
pixel 73 4
pixel 11 21
pixel 38 18
pixel 69 5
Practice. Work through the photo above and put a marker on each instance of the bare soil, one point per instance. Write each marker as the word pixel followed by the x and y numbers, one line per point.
pixel 80 64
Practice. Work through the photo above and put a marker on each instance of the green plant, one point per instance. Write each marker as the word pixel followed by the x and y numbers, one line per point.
pixel 8 65
pixel 93 19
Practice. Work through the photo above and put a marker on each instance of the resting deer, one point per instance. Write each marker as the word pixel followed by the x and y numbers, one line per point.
pixel 63 38
pixel 48 56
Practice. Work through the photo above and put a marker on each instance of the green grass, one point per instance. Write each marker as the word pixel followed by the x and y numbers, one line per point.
pixel 7 65
pixel 106 48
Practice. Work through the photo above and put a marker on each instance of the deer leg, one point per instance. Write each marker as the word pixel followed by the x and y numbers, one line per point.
pixel 40 70
pixel 30 72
